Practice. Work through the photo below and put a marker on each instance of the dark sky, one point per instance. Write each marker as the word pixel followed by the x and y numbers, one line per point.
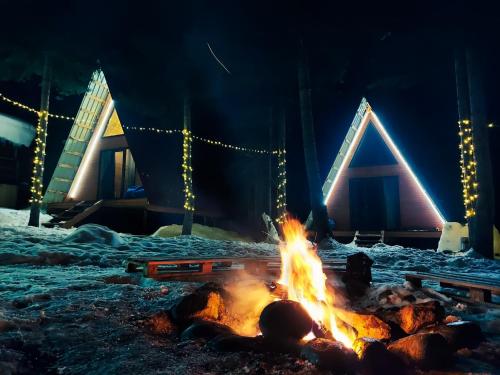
pixel 399 57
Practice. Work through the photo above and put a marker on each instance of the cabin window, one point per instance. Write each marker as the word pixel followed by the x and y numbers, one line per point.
pixel 114 126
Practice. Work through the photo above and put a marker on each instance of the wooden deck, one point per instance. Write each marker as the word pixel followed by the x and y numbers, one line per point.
pixel 139 203
pixel 479 289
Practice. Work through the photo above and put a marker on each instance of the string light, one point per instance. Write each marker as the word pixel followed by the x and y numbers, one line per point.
pixel 281 188
pixel 202 139
pixel 40 144
pixel 232 147
pixel 187 170
pixel 33 110
pixel 468 167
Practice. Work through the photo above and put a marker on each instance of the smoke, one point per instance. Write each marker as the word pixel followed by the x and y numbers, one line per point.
pixel 249 297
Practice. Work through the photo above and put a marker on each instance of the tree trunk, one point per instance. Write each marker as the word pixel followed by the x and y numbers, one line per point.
pixel 319 215
pixel 187 173
pixel 40 144
pixel 281 190
pixel 463 106
pixel 485 203
pixel 270 184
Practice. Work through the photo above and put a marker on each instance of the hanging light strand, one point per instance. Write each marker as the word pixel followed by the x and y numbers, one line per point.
pixel 33 110
pixel 187 170
pixel 468 167
pixel 281 188
pixel 38 161
pixel 202 139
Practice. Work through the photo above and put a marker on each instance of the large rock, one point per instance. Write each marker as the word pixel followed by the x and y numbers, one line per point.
pixel 206 302
pixel 236 343
pixel 366 325
pixel 161 323
pixel 460 334
pixel 424 350
pixel 283 320
pixel 330 355
pixel 204 329
pixel 413 317
pixel 376 359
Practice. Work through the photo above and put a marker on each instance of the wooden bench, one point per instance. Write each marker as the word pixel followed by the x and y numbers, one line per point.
pixel 212 268
pixel 480 289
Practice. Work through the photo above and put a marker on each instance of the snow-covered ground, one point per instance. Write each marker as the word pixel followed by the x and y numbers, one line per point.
pixel 67 304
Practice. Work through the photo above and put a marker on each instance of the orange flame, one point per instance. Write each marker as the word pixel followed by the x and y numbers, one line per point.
pixel 302 274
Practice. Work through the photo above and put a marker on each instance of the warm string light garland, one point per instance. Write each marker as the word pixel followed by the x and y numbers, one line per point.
pixel 187 170
pixel 40 143
pixel 281 189
pixel 202 139
pixel 468 167
pixel 153 130
pixel 33 110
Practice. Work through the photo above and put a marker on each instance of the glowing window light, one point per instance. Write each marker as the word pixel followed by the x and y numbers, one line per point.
pixel 89 153
pixel 388 140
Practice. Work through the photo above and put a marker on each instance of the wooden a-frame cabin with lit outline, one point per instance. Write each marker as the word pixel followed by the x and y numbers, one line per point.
pixel 97 179
pixel 371 186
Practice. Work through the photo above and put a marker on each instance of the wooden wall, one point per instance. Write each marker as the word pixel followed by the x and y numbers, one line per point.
pixel 415 211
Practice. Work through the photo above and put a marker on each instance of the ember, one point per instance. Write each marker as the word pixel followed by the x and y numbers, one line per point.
pixel 303 277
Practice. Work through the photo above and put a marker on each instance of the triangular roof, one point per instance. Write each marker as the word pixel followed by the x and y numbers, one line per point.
pixel 96 118
pixel 364 116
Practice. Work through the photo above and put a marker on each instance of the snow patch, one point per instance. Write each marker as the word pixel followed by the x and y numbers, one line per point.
pixel 10 217
pixel 95 234
pixel 211 233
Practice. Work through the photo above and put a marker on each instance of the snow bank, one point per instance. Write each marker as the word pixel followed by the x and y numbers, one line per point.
pixel 95 234
pixel 211 233
pixel 9 217
pixel 16 131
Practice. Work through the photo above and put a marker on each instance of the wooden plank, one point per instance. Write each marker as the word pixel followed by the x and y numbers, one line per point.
pixel 467 283
pixel 478 292
pixel 82 215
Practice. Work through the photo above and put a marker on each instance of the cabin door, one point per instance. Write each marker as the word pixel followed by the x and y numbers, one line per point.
pixel 374 203
pixel 117 173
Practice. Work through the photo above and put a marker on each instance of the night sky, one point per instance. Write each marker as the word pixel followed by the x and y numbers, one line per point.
pixel 399 58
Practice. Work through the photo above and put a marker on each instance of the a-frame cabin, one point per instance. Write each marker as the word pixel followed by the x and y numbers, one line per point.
pixel 96 162
pixel 371 187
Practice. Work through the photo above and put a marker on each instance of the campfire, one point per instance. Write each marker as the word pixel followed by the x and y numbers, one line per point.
pixel 303 314
pixel 305 282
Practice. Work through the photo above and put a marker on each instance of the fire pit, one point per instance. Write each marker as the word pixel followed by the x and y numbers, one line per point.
pixel 304 314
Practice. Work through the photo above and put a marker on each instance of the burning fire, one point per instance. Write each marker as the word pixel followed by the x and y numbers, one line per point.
pixel 302 274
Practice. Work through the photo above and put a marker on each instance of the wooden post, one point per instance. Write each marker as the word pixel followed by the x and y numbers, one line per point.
pixel 463 106
pixel 482 240
pixel 187 170
pixel 270 166
pixel 281 159
pixel 40 144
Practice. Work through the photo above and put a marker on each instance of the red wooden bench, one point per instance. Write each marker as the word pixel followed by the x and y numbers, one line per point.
pixel 209 268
